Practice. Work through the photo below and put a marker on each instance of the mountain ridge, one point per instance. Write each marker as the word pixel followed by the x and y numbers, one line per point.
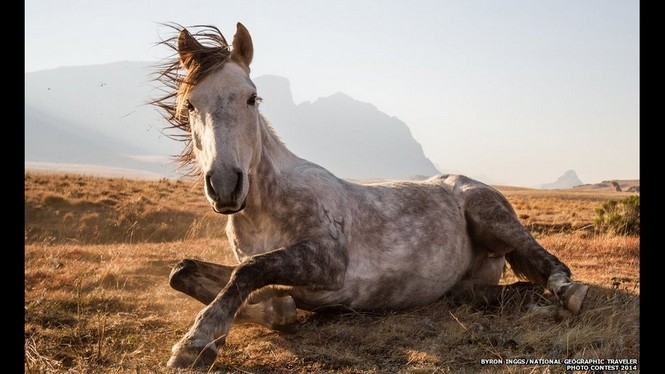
pixel 98 117
pixel 100 114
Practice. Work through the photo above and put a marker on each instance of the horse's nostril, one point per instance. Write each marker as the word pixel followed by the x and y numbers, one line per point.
pixel 238 189
pixel 210 190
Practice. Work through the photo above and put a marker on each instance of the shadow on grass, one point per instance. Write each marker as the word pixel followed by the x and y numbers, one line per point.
pixel 453 338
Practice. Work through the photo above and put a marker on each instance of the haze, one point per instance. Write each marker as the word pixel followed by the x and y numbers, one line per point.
pixel 517 91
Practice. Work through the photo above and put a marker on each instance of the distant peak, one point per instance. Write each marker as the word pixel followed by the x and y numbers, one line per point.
pixel 341 95
pixel 275 90
pixel 567 180
pixel 340 98
pixel 570 173
pixel 273 78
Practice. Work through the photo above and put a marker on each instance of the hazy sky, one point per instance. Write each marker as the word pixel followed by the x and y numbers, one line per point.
pixel 518 91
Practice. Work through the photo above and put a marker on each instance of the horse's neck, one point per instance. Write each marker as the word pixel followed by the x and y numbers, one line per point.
pixel 265 188
pixel 275 158
pixel 274 154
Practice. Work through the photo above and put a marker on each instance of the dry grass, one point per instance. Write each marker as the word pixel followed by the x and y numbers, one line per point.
pixel 63 208
pixel 98 252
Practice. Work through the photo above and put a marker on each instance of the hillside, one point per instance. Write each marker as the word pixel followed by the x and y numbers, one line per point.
pixel 618 185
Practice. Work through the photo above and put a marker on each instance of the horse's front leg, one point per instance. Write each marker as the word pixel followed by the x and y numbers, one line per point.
pixel 268 306
pixel 303 265
pixel 199 279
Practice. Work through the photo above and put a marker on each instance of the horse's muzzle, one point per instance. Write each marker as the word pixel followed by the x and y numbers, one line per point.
pixel 228 210
pixel 225 191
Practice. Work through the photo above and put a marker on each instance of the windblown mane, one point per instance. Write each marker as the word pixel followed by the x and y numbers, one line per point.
pixel 177 82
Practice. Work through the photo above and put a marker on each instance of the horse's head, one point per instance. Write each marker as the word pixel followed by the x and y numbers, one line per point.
pixel 221 104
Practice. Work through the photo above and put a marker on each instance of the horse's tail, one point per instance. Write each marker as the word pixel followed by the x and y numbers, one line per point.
pixel 530 262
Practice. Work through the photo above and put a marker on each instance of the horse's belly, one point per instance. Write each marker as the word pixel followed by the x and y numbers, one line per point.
pixel 395 282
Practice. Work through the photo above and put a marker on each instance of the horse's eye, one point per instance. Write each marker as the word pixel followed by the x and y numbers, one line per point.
pixel 190 107
pixel 253 100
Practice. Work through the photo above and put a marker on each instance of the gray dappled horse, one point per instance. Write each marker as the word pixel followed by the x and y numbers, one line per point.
pixel 307 239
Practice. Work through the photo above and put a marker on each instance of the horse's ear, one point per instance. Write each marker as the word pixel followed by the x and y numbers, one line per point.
pixel 187 48
pixel 243 50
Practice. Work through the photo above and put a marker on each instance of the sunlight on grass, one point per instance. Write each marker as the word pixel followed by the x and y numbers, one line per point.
pixel 98 254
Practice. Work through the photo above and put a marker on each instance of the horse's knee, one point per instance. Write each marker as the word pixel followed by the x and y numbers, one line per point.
pixel 181 276
pixel 198 279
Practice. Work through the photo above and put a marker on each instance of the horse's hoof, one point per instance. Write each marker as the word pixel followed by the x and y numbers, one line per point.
pixel 574 297
pixel 284 311
pixel 192 357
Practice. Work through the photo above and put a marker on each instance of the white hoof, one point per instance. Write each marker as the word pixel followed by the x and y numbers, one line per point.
pixel 574 297
pixel 192 357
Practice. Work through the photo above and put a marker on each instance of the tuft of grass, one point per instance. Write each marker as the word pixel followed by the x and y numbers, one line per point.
pixel 620 217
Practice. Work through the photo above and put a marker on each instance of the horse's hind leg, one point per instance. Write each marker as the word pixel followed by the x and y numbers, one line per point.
pixel 204 280
pixel 480 287
pixel 481 295
pixel 493 225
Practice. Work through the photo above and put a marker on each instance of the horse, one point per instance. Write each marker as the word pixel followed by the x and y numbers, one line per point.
pixel 307 239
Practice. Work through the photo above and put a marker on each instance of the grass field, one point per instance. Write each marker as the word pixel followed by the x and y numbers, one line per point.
pixel 98 252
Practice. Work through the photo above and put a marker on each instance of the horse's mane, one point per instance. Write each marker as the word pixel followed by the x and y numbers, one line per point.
pixel 177 82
